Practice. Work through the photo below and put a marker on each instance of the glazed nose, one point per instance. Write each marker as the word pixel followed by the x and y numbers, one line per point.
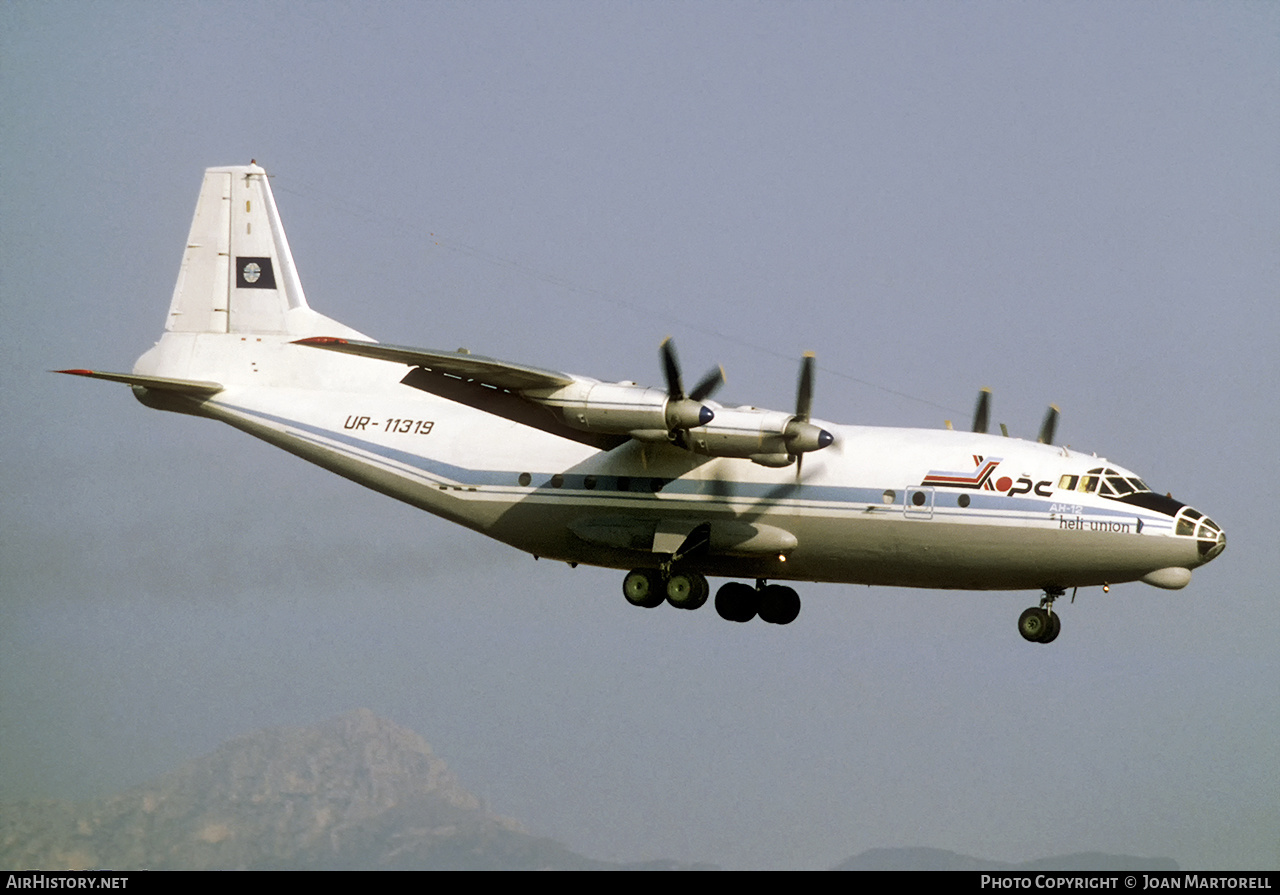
pixel 1210 538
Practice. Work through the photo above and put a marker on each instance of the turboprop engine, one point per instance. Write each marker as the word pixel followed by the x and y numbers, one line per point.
pixel 647 414
pixel 624 408
pixel 768 437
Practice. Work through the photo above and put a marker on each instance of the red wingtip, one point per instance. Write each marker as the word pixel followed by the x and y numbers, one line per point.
pixel 321 340
pixel 75 372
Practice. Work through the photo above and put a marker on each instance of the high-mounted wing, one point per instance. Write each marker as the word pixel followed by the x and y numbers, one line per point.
pixel 604 414
pixel 488 384
pixel 487 370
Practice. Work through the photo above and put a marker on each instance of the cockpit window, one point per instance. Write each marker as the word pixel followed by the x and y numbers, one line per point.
pixel 1085 484
pixel 1106 482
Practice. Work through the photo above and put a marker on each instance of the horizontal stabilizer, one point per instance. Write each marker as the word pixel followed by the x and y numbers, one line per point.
pixel 193 387
pixel 467 366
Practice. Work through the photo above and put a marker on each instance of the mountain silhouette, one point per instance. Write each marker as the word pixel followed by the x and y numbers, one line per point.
pixel 353 793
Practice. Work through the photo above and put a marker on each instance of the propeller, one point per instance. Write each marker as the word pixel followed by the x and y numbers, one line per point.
pixel 982 413
pixel 801 434
pixel 686 411
pixel 1049 426
pixel 982 416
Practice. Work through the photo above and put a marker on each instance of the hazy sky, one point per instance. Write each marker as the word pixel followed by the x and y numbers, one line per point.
pixel 1065 202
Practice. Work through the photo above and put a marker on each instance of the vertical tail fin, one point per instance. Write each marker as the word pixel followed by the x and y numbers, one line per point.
pixel 237 271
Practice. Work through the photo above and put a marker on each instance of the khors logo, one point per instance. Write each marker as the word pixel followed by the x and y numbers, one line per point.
pixel 978 479
pixel 983 478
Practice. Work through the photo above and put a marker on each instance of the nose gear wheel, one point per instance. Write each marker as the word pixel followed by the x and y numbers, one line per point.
pixel 1040 624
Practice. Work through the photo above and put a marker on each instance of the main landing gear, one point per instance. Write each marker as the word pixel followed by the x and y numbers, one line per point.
pixel 735 601
pixel 649 587
pixel 1040 624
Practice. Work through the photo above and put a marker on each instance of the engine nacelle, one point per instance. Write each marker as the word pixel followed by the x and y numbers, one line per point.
pixel 741 432
pixel 622 408
pixel 767 437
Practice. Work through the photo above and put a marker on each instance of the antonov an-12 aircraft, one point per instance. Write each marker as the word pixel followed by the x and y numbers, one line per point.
pixel 662 482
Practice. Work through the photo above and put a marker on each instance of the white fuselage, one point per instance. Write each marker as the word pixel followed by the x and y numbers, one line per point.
pixel 912 507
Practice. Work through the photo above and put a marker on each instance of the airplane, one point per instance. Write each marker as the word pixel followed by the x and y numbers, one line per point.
pixel 663 483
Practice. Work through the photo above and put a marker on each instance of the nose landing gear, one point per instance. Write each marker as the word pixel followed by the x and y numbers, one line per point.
pixel 1040 624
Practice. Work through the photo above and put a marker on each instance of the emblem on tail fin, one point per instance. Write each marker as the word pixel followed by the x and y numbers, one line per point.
pixel 255 273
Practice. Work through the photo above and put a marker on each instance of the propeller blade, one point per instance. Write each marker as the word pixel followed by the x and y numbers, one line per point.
pixel 671 370
pixel 1049 425
pixel 982 413
pixel 804 390
pixel 804 407
pixel 708 385
pixel 685 412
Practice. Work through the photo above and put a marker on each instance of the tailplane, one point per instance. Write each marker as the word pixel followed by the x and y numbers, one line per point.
pixel 237 280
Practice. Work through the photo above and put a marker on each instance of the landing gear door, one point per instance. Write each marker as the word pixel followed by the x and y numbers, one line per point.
pixel 918 502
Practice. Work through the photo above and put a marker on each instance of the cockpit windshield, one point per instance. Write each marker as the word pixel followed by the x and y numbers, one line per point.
pixel 1105 482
